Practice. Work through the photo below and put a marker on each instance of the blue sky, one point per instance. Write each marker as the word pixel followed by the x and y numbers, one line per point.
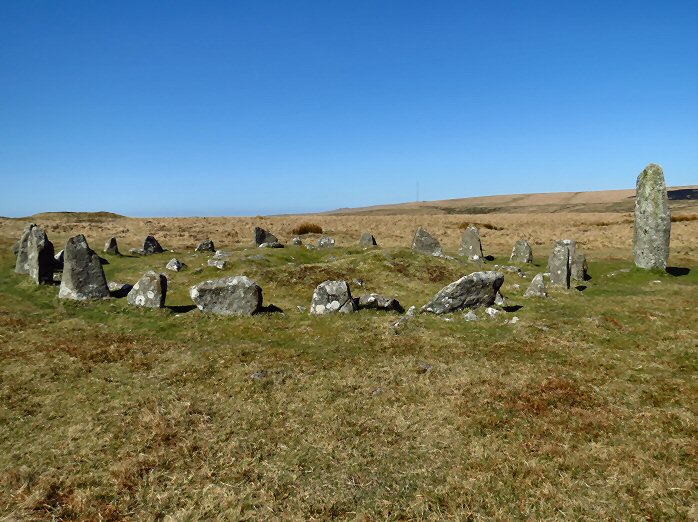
pixel 263 107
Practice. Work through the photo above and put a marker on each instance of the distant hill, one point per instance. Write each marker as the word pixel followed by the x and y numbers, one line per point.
pixel 680 198
pixel 75 217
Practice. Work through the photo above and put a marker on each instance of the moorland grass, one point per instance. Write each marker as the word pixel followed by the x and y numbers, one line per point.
pixel 584 409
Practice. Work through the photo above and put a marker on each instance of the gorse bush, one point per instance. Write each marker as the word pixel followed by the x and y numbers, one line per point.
pixel 488 226
pixel 685 217
pixel 307 228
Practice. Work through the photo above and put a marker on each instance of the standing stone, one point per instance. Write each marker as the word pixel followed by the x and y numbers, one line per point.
pixel 40 257
pixel 559 265
pixel 537 287
pixel 262 236
pixel 522 252
pixel 578 267
pixel 476 289
pixel 149 291
pixel 367 240
pixel 652 220
pixel 111 247
pixel 83 276
pixel 332 297
pixel 151 246
pixel 21 266
pixel 206 246
pixel 237 295
pixel 470 244
pixel 425 243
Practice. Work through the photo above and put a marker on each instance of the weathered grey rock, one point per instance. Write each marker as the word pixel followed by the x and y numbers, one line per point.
pixel 537 287
pixel 522 252
pixel 206 246
pixel 40 257
pixel 367 240
pixel 499 299
pixel 276 244
pixel 150 291
pixel 425 243
pixel 297 241
pixel 510 268
pixel 379 302
pixel 111 247
pixel 59 257
pixel 236 295
pixel 220 264
pixel 264 236
pixel 470 316
pixel 15 248
pixel 576 261
pixel 21 266
pixel 332 297
pixel 136 251
pixel 175 265
pixel 151 246
pixel 492 312
pixel 471 291
pixel 559 265
pixel 221 254
pixel 325 242
pixel 652 220
pixel 83 276
pixel 470 244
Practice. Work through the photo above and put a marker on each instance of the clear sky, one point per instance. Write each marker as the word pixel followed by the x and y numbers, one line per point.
pixel 261 107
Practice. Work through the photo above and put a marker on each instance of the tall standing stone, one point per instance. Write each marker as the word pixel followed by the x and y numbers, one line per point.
pixel 470 244
pixel 559 265
pixel 83 276
pixel 367 240
pixel 21 266
pixel 40 257
pixel 426 243
pixel 652 219
pixel 522 252
pixel 111 247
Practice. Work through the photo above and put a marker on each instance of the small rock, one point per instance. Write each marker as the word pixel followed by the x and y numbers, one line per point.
pixel 325 242
pixel 513 320
pixel 379 302
pixel 274 244
pixel 297 241
pixel 259 375
pixel 492 312
pixel 136 251
pixel 499 299
pixel 262 236
pixel 175 265
pixel 367 240
pixel 476 289
pixel 470 316
pixel 537 287
pixel 217 263
pixel 424 367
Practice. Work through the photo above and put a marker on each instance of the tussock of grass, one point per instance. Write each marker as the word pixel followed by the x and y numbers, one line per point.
pixel 306 228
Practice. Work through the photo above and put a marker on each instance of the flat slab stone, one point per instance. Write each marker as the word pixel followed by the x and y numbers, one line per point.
pixel 233 296
pixel 471 291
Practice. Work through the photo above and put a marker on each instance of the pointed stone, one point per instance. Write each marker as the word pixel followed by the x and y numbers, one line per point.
pixel 83 276
pixel 151 246
pixel 264 236
pixel 367 240
pixel 111 247
pixel 206 246
pixel 537 287
pixel 470 244
pixel 426 244
pixel 522 252
pixel 652 220
pixel 175 265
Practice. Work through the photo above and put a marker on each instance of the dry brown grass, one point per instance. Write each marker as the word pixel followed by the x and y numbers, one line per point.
pixel 306 228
